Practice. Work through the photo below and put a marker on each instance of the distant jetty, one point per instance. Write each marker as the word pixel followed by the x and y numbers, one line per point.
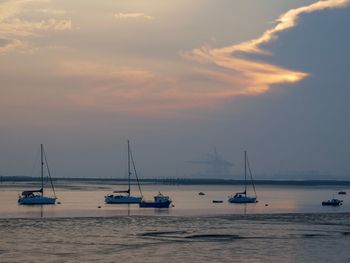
pixel 182 181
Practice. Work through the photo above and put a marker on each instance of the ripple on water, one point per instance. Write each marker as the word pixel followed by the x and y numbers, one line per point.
pixel 265 238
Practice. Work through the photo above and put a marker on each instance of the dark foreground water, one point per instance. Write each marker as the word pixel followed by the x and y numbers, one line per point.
pixel 220 238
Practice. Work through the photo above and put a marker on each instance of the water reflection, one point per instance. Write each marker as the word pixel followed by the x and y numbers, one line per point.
pixel 221 238
pixel 32 211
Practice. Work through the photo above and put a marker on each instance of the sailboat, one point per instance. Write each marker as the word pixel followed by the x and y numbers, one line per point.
pixel 242 197
pixel 36 197
pixel 125 197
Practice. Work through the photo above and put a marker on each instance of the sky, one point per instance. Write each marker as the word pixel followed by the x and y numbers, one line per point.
pixel 177 78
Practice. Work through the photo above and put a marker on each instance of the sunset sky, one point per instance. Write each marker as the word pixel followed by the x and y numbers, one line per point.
pixel 177 78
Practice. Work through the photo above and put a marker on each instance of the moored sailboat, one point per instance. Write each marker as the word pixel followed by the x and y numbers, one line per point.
pixel 124 196
pixel 37 197
pixel 242 197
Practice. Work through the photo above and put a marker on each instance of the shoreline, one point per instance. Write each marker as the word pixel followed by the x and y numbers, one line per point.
pixel 180 181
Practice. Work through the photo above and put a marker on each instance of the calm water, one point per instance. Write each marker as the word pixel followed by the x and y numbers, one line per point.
pixel 294 227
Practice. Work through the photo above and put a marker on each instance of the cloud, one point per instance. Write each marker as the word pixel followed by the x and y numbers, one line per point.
pixel 104 86
pixel 109 87
pixel 256 76
pixel 224 73
pixel 228 72
pixel 51 11
pixel 132 16
pixel 61 25
pixel 130 90
pixel 102 71
pixel 9 45
pixel 21 28
pixel 15 29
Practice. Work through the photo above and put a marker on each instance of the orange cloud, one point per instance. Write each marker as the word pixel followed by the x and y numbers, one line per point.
pixel 257 76
pixel 10 45
pixel 223 73
pixel 51 11
pixel 132 15
pixel 105 86
pixel 19 28
pixel 102 71
pixel 15 29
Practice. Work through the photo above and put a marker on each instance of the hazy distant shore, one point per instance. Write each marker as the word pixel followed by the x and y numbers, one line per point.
pixel 182 181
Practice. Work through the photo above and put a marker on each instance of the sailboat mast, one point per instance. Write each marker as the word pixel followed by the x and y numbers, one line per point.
pixel 42 169
pixel 129 172
pixel 245 172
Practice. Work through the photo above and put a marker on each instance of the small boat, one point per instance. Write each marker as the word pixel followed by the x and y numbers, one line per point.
pixel 218 201
pixel 125 197
pixel 201 193
pixel 332 202
pixel 160 201
pixel 36 197
pixel 242 197
pixel 341 193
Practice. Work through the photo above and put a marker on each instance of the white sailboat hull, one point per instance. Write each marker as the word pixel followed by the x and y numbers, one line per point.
pixel 37 200
pixel 242 199
pixel 122 199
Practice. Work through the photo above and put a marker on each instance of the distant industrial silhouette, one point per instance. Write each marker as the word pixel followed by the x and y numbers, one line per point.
pixel 215 166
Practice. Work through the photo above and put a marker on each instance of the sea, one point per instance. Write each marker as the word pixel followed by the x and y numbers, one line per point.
pixel 288 224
